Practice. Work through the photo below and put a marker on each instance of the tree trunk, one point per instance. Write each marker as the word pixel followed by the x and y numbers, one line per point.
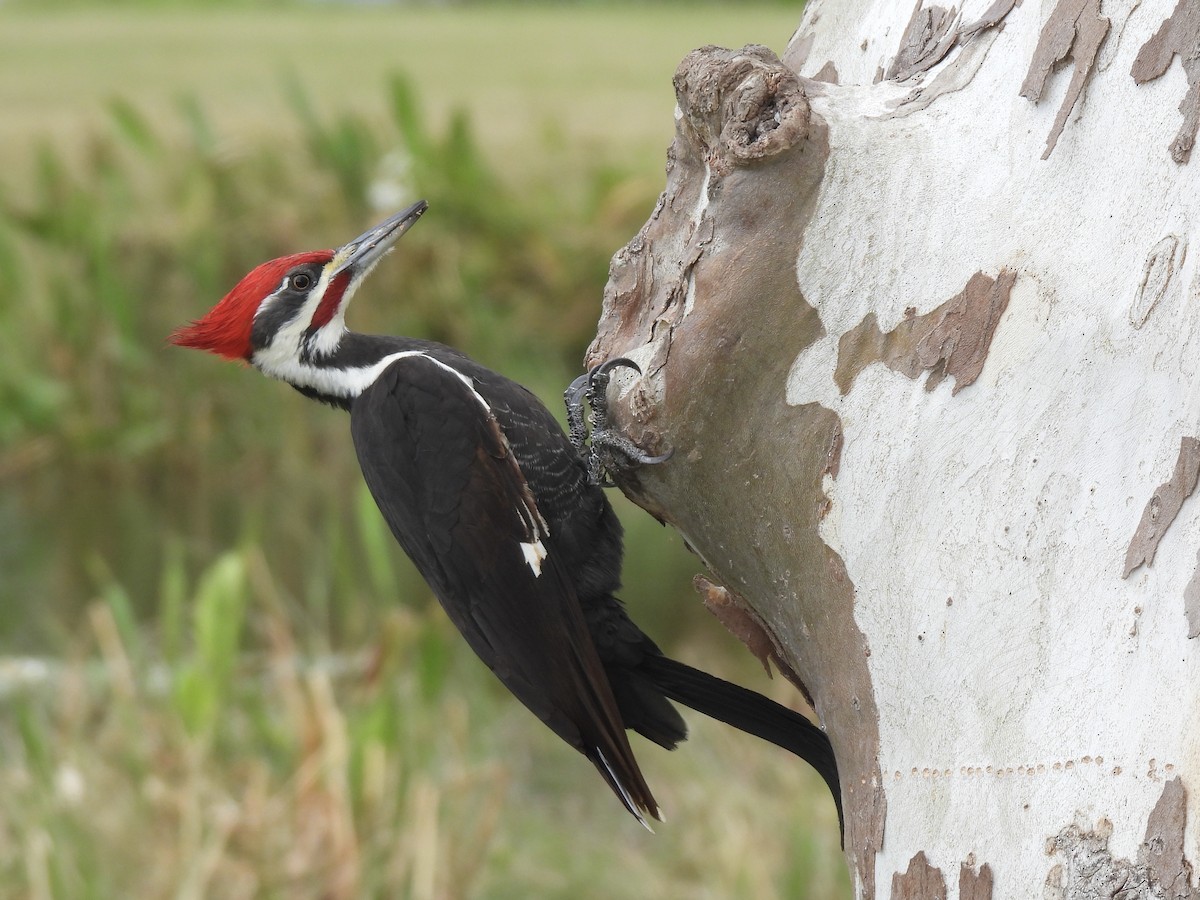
pixel 917 316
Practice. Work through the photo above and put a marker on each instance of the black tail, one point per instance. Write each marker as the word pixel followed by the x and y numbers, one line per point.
pixel 749 712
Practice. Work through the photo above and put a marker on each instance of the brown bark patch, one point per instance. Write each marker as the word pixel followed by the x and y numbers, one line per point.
pixel 1179 35
pixel 796 54
pixel 1162 850
pixel 920 882
pixel 1075 30
pixel 828 73
pixel 975 884
pixel 991 17
pixel 1164 506
pixel 926 40
pixel 932 32
pixel 951 340
pixel 740 620
pixel 1191 601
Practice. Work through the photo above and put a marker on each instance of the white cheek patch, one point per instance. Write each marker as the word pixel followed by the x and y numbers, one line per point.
pixel 325 341
pixel 280 358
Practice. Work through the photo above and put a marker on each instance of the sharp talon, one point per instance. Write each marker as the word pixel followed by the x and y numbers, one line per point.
pixel 609 364
pixel 608 451
pixel 575 389
pixel 607 440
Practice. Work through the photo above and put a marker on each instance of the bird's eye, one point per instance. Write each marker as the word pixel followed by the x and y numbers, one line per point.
pixel 301 281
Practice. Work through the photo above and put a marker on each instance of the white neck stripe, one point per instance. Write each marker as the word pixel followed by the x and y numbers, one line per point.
pixel 348 383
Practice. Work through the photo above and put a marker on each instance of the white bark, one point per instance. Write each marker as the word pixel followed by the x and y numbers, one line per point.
pixel 1018 698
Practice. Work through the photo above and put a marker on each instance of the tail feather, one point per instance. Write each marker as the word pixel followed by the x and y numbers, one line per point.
pixel 749 712
pixel 642 806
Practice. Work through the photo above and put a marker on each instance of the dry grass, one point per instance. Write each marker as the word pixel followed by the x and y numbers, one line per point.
pixel 397 770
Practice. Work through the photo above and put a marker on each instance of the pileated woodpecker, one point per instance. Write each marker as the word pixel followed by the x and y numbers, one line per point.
pixel 496 508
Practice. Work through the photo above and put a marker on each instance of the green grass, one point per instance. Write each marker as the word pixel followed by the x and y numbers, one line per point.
pixel 250 692
pixel 590 83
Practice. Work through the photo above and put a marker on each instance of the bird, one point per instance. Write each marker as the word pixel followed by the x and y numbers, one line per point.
pixel 498 509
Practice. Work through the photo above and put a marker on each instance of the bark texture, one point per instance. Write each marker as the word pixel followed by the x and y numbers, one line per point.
pixel 686 300
pixel 917 316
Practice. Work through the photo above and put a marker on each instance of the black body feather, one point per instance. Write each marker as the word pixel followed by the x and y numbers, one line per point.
pixel 482 489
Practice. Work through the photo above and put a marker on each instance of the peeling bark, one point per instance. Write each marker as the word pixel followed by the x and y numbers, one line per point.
pixel 926 40
pixel 932 33
pixel 699 288
pixel 1191 601
pixel 915 58
pixel 1164 506
pixel 1179 35
pixel 740 620
pixel 1162 849
pixel 921 881
pixel 1090 871
pixel 937 565
pixel 992 17
pixel 951 340
pixel 1075 29
pixel 975 884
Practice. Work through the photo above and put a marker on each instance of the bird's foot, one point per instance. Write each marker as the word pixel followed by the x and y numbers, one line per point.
pixel 601 446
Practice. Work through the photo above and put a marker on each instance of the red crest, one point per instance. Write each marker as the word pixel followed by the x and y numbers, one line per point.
pixel 225 329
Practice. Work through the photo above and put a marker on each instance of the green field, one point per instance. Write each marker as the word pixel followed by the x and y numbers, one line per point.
pixel 218 676
pixel 540 84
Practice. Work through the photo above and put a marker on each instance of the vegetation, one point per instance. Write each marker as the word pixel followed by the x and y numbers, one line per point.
pixel 218 676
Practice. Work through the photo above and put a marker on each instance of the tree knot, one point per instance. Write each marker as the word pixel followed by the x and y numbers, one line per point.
pixel 740 106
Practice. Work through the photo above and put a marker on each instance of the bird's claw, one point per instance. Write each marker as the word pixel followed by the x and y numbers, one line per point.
pixel 602 448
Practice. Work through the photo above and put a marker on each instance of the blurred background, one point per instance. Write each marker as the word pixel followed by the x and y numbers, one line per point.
pixel 219 677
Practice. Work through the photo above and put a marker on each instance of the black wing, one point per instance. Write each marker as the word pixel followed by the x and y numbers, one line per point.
pixel 441 470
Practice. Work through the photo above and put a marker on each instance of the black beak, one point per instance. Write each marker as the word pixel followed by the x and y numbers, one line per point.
pixel 366 249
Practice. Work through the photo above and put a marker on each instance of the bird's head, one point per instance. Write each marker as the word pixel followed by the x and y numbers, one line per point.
pixel 287 315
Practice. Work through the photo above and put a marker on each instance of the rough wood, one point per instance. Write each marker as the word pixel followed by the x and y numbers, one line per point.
pixel 1162 850
pixel 975 884
pixel 940 559
pixel 927 39
pixel 697 285
pixel 920 881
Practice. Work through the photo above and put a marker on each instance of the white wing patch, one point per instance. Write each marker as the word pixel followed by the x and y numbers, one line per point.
pixel 352 382
pixel 535 553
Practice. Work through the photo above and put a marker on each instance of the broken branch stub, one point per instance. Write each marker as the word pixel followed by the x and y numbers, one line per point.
pixel 737 108
pixel 705 300
pixel 746 108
